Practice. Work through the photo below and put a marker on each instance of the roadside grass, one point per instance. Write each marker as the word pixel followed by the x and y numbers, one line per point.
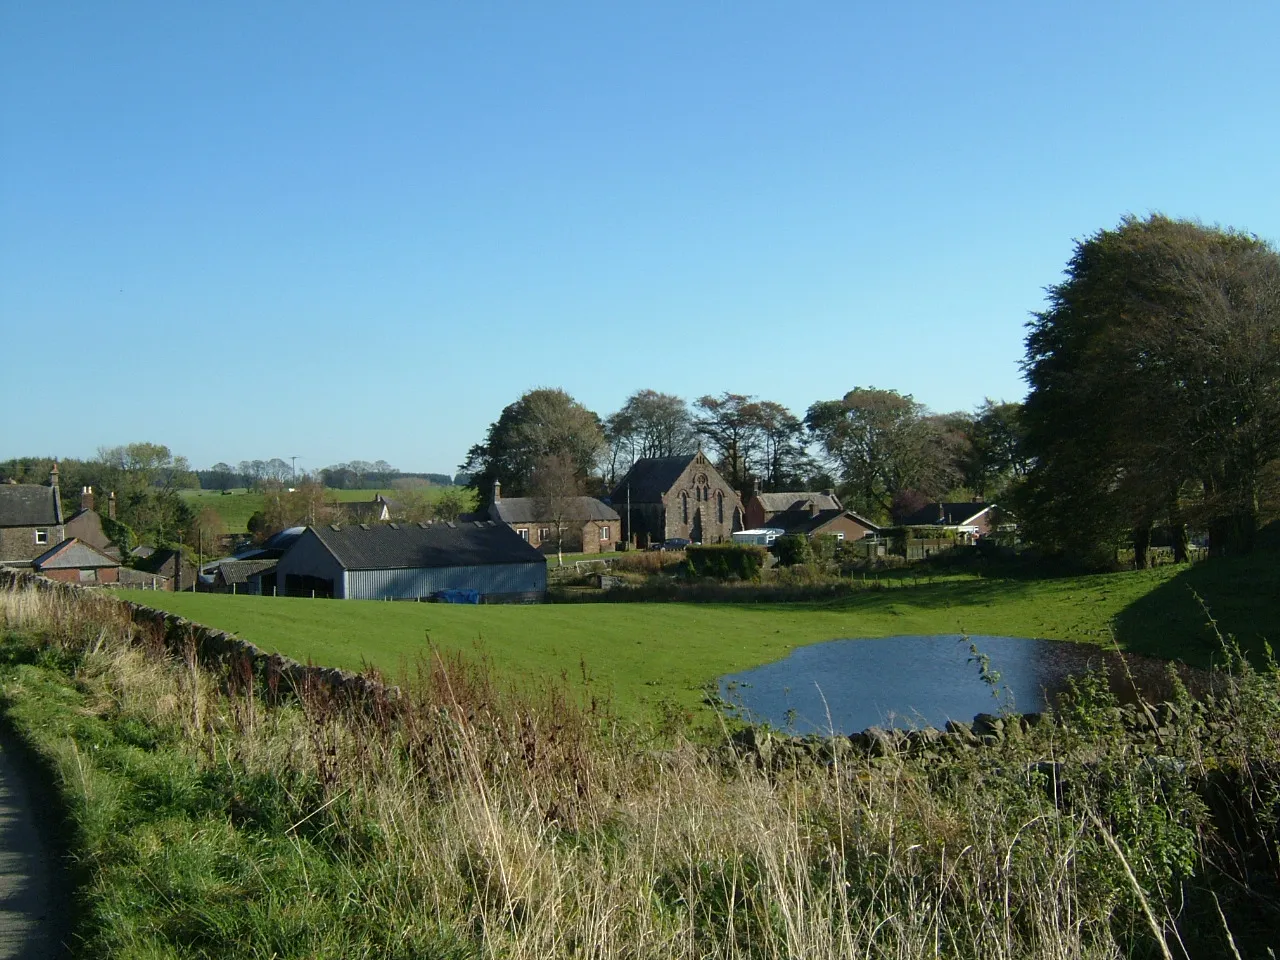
pixel 466 820
pixel 661 655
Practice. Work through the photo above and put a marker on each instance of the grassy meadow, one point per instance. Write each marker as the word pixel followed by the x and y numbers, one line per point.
pixel 645 655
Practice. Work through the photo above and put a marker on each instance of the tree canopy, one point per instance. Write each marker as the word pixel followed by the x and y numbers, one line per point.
pixel 542 423
pixel 1155 388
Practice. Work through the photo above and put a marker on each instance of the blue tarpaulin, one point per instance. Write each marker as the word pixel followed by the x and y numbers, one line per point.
pixel 457 596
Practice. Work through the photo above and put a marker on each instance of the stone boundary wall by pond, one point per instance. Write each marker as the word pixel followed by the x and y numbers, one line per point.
pixel 218 650
pixel 1148 728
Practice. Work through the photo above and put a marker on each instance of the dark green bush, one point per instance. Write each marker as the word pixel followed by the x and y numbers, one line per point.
pixel 725 561
pixel 793 549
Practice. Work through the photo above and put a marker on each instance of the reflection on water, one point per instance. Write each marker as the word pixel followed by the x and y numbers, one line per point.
pixel 848 685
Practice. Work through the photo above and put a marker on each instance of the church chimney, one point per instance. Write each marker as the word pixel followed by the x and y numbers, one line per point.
pixel 86 498
pixel 497 490
pixel 111 505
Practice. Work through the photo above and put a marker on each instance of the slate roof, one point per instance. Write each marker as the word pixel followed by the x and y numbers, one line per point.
pixel 778 502
pixel 239 571
pixel 945 514
pixel 73 555
pixel 391 546
pixel 803 521
pixel 525 510
pixel 28 505
pixel 650 478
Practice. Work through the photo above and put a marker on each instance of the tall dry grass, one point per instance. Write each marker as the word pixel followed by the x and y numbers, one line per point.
pixel 532 827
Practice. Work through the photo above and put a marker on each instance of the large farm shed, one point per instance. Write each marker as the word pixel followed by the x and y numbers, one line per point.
pixel 412 561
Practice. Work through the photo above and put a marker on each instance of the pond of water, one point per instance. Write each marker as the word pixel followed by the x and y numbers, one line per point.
pixel 848 685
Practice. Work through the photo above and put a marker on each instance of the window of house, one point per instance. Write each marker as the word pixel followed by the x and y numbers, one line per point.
pixel 544 534
pixel 42 535
pixel 88 576
pixel 524 533
pixel 839 534
pixel 604 533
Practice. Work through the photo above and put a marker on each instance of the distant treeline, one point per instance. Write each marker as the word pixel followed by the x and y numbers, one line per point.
pixel 356 475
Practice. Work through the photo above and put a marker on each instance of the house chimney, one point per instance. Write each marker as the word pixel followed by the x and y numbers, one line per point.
pixel 753 487
pixel 53 476
pixel 942 513
pixel 814 508
pixel 86 498
pixel 111 505
pixel 497 490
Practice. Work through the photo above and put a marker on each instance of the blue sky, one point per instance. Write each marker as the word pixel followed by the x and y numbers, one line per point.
pixel 341 231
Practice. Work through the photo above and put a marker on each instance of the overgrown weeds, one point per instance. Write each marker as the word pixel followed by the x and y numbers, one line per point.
pixel 468 818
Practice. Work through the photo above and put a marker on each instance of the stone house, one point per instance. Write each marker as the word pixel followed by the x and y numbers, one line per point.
pixel 31 520
pixel 668 497
pixel 594 527
pixel 86 523
pixel 759 509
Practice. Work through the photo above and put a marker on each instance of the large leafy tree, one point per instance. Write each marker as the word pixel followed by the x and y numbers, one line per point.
pixel 542 423
pixel 1155 388
pixel 882 443
pixel 650 424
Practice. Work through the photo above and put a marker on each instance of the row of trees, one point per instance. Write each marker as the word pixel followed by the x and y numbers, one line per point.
pixel 356 475
pixel 886 452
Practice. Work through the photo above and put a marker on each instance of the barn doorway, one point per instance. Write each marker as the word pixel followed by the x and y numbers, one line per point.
pixel 299 585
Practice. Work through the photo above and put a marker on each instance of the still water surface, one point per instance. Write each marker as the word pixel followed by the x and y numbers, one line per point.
pixel 914 681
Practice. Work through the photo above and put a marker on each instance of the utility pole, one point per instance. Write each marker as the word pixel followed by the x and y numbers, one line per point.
pixel 631 537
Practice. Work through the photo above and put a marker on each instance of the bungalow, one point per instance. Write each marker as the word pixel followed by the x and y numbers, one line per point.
pixel 970 521
pixel 395 561
pixel 815 522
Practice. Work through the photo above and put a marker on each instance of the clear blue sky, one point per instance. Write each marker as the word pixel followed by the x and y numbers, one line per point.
pixel 359 230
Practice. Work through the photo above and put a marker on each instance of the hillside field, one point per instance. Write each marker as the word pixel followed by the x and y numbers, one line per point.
pixel 642 654
pixel 238 505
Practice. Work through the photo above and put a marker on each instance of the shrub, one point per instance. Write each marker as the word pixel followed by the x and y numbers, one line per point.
pixel 725 561
pixel 793 549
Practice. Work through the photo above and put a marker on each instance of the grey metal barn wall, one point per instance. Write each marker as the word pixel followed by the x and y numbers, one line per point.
pixel 309 557
pixel 406 584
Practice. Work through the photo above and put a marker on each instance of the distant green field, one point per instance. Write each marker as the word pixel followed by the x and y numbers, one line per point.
pixel 237 506
pixel 645 653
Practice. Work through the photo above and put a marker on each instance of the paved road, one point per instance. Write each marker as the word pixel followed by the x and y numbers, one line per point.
pixel 31 900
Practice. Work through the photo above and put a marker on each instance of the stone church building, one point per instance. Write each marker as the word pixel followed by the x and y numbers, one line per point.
pixel 666 497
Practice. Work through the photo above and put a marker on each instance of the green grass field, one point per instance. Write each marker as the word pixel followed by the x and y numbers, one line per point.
pixel 237 506
pixel 642 653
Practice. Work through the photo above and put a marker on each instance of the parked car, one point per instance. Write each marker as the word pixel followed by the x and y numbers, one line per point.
pixel 675 543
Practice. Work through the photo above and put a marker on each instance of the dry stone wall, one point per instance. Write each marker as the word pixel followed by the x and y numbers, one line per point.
pixel 220 651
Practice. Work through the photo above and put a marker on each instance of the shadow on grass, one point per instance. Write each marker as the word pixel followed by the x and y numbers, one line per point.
pixel 1241 593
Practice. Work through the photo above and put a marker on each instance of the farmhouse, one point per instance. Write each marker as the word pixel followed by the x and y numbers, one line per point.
pixel 86 523
pixel 396 561
pixel 590 525
pixel 969 520
pixel 76 562
pixel 31 520
pixel 668 497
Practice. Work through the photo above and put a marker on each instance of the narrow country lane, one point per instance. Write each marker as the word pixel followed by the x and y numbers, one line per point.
pixel 30 898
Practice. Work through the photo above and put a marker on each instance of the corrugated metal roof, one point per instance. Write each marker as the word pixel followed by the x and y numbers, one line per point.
pixel 73 555
pixel 392 546
pixel 239 571
pixel 28 505
pixel 525 510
